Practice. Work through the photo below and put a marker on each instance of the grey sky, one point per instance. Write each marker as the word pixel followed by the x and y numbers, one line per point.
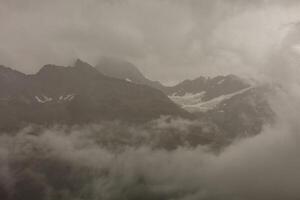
pixel 169 40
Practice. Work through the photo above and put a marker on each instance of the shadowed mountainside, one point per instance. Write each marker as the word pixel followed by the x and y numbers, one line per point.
pixel 77 94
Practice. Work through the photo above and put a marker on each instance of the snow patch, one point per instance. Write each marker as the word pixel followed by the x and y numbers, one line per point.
pixel 188 98
pixel 47 98
pixel 128 80
pixel 194 103
pixel 220 81
pixel 43 99
pixel 68 97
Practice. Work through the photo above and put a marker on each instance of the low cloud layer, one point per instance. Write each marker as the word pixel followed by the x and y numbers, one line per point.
pixel 184 38
pixel 157 161
pixel 154 161
pixel 114 161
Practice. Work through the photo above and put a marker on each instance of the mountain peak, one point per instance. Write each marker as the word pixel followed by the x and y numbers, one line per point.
pixel 8 73
pixel 81 63
pixel 2 67
pixel 122 69
pixel 8 69
pixel 85 67
pixel 50 68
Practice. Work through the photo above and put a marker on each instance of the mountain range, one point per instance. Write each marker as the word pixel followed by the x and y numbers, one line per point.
pixel 125 70
pixel 116 90
pixel 236 106
pixel 75 95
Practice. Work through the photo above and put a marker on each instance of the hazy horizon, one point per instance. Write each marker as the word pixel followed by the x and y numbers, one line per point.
pixel 185 38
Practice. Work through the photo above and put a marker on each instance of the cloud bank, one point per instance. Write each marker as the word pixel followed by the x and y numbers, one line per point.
pixel 184 38
pixel 83 163
pixel 97 162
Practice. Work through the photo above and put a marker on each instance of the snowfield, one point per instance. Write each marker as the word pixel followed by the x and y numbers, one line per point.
pixel 193 102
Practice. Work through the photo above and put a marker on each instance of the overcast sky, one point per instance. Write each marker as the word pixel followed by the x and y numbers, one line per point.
pixel 169 40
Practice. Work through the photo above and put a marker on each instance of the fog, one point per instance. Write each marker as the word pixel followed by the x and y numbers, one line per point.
pixel 186 39
pixel 116 161
pixel 102 162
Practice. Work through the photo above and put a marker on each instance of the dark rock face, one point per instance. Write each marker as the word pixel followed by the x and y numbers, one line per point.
pixel 118 90
pixel 77 94
pixel 236 107
pixel 213 87
pixel 243 115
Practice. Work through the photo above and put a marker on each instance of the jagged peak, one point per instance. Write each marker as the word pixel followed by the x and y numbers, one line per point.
pixel 4 69
pixel 202 78
pixel 81 63
pixel 191 81
pixel 85 67
pixel 50 68
pixel 219 77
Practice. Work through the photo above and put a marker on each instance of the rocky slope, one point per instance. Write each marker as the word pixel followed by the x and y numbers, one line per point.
pixel 237 107
pixel 74 95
